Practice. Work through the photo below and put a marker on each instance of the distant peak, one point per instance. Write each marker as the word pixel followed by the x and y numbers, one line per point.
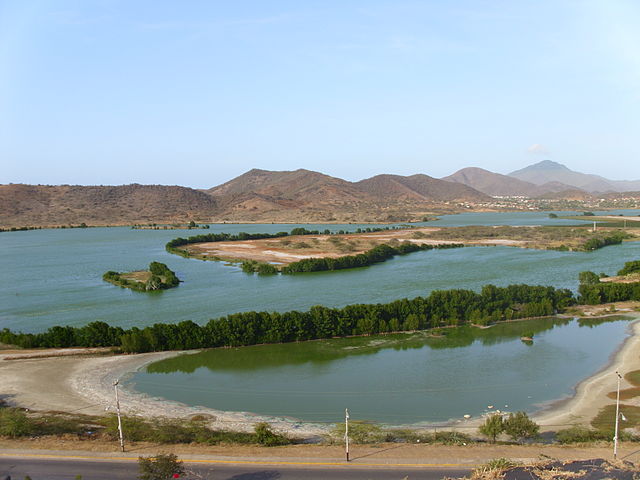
pixel 548 165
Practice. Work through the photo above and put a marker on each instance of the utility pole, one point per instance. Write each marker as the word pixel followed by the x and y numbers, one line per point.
pixel 615 435
pixel 346 432
pixel 115 385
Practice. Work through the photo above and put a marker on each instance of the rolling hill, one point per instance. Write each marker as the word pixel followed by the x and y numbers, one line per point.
pixel 22 205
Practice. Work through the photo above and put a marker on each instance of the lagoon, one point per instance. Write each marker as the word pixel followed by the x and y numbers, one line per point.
pixel 394 379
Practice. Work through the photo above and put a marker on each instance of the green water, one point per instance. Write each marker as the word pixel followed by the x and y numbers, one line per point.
pixel 396 379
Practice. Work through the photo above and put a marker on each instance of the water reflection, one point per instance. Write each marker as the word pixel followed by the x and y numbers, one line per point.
pixel 325 351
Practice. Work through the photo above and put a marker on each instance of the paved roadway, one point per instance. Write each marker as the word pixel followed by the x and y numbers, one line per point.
pixel 116 469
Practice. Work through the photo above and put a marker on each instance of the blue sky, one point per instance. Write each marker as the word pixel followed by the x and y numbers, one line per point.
pixel 196 92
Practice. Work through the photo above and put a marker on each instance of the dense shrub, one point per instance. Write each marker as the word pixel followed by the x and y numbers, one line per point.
pixel 580 434
pixel 630 267
pixel 599 242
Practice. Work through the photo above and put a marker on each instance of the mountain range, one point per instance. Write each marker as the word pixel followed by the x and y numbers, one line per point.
pixel 293 196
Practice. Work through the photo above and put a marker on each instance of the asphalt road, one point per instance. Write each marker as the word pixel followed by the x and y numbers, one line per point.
pixel 68 469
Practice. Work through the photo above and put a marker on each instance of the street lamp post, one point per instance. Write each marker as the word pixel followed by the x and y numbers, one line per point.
pixel 115 386
pixel 346 432
pixel 615 435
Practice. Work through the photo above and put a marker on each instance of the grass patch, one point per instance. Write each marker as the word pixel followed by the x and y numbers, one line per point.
pixel 605 420
pixel 633 378
pixel 580 434
pixel 368 433
pixel 625 394
pixel 194 431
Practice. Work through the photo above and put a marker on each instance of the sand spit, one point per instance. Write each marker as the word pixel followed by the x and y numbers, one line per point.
pixel 85 385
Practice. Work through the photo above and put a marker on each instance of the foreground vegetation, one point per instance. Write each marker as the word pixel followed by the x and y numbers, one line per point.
pixel 159 277
pixel 17 423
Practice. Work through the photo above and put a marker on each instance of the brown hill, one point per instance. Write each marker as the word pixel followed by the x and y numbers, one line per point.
pixel 262 195
pixel 419 188
pixel 26 205
pixel 256 196
pixel 299 186
pixel 493 183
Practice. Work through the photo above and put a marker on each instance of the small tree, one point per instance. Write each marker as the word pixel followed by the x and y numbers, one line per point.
pixel 588 278
pixel 160 467
pixel 492 427
pixel 267 437
pixel 14 423
pixel 519 426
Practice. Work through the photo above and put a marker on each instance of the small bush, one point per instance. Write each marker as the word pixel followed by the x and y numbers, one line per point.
pixel 14 423
pixel 500 464
pixel 267 437
pixel 360 432
pixel 160 467
pixel 580 434
pixel 451 438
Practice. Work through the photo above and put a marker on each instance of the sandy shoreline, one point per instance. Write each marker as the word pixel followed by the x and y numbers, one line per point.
pixel 591 394
pixel 85 385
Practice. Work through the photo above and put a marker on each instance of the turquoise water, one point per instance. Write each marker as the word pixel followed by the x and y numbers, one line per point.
pixel 54 277
pixel 396 379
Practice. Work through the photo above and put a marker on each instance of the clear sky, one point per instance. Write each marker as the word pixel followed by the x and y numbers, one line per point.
pixel 195 93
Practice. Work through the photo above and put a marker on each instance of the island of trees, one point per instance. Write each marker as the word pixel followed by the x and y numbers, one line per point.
pixel 440 308
pixel 158 277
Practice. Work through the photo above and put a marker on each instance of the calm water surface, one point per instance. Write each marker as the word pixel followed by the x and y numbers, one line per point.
pixel 396 379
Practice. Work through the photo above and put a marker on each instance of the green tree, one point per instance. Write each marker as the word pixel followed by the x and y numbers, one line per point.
pixel 492 427
pixel 588 278
pixel 519 426
pixel 630 267
pixel 160 467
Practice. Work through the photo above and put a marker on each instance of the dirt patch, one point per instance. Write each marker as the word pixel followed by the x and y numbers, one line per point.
pixel 141 276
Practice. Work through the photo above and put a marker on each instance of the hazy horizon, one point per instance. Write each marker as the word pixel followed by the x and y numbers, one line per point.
pixel 158 92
